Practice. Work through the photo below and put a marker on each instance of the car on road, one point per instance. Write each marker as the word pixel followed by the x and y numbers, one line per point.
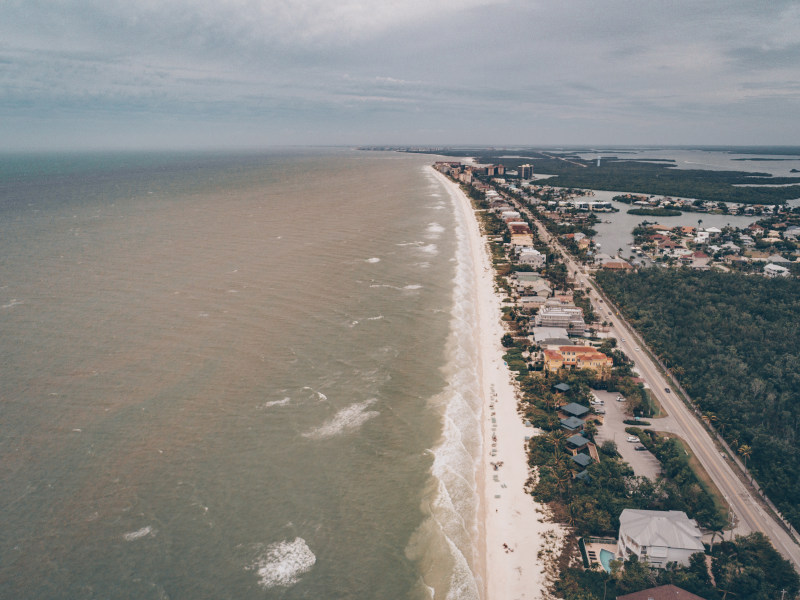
pixel 637 348
pixel 623 339
pixel 669 391
pixel 632 439
pixel 640 448
pixel 620 399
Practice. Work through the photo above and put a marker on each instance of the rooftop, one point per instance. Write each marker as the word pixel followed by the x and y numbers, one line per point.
pixel 582 459
pixel 661 528
pixel 575 409
pixel 663 592
pixel 572 423
pixel 578 440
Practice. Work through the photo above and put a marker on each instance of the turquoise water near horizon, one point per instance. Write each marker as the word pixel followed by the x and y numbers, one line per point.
pixel 235 376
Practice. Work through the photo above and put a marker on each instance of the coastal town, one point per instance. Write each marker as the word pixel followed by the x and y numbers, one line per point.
pixel 615 467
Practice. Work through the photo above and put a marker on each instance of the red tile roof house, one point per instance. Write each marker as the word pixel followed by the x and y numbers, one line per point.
pixel 663 592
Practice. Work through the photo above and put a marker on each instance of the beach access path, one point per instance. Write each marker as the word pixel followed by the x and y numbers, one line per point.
pixel 515 528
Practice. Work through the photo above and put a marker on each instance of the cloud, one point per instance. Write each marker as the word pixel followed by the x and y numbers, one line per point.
pixel 316 71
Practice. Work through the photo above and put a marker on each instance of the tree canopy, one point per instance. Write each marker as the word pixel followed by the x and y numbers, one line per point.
pixel 733 340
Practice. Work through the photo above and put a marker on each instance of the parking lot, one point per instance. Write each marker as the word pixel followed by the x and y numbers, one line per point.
pixel 642 462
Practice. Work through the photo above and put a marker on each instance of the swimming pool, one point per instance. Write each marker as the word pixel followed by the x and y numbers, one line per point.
pixel 605 559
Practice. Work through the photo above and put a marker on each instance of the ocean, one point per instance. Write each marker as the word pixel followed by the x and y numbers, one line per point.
pixel 235 376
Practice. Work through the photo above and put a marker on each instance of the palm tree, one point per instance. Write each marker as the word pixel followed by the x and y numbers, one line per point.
pixel 556 438
pixel 563 477
pixel 745 451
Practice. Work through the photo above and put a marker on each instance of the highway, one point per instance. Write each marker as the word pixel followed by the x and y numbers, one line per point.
pixel 749 514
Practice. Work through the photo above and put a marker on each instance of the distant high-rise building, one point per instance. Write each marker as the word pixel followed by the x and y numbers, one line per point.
pixel 525 171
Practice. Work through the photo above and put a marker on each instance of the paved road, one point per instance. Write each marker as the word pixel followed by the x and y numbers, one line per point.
pixel 749 514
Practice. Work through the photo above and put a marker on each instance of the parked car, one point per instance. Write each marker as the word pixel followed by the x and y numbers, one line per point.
pixel 600 411
pixel 620 399
pixel 669 391
pixel 640 448
pixel 632 439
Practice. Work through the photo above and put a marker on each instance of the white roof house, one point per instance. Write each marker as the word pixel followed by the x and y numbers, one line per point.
pixel 658 537
pixel 773 270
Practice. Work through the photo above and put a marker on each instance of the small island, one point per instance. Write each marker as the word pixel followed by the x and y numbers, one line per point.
pixel 655 212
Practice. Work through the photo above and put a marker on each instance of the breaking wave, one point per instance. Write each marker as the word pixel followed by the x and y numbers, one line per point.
pixel 445 545
pixel 280 402
pixel 347 419
pixel 434 229
pixel 281 564
pixel 138 534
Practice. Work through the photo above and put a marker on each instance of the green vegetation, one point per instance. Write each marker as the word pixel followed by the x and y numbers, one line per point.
pixel 747 568
pixel 734 342
pixel 655 212
pixel 696 497
pixel 647 177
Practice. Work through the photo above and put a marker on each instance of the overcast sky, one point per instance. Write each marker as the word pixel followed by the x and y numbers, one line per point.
pixel 204 73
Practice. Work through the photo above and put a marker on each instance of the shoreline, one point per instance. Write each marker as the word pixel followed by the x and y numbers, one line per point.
pixel 512 527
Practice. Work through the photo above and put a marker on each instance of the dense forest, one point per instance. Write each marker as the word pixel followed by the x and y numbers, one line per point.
pixel 733 341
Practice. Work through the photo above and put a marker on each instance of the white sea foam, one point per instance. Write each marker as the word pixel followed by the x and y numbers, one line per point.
pixel 320 395
pixel 281 564
pixel 445 544
pixel 139 533
pixel 412 286
pixel 12 302
pixel 434 229
pixel 378 318
pixel 280 402
pixel 374 259
pixel 347 419
pixel 430 249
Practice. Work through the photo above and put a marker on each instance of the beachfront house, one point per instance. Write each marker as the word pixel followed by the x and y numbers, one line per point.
pixel 569 317
pixel 578 357
pixel 658 537
pixel 582 460
pixel 573 409
pixel 572 424
pixel 662 592
pixel 532 257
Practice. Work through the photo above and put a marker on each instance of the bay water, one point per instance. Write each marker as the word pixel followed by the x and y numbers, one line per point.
pixel 235 376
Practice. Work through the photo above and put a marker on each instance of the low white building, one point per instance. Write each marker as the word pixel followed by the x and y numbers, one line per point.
pixel 531 256
pixel 773 270
pixel 658 536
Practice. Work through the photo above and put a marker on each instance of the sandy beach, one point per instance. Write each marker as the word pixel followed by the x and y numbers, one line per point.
pixel 513 528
